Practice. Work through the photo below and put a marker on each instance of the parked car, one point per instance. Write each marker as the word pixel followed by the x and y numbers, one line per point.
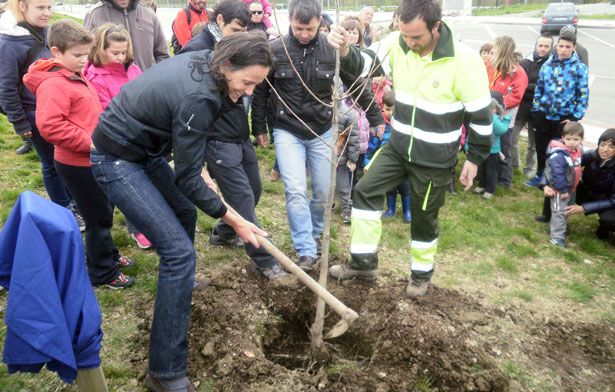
pixel 558 15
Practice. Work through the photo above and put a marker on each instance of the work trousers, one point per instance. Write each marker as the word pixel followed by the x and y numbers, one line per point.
pixel 387 170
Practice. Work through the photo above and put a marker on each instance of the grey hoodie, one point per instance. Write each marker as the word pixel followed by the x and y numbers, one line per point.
pixel 149 45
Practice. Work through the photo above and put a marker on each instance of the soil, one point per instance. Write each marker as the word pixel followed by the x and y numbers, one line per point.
pixel 247 334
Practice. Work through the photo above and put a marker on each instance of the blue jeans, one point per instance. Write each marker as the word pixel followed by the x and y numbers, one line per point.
pixel 146 194
pixel 306 218
pixel 51 180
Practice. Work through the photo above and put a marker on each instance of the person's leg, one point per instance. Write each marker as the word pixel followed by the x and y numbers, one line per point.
pixel 427 192
pixel 387 169
pixel 318 156
pixel 51 180
pixel 520 121
pixel 541 138
pixel 97 211
pixel 225 162
pixel 558 219
pixel 342 187
pixel 481 174
pixel 491 173
pixel 529 170
pixel 291 153
pixel 129 187
pixel 505 167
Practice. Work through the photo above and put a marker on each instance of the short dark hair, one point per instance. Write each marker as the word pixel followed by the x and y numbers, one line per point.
pixel 547 36
pixel 232 9
pixel 573 128
pixel 66 33
pixel 568 36
pixel 389 98
pixel 607 136
pixel 240 51
pixel 304 10
pixel 486 47
pixel 428 10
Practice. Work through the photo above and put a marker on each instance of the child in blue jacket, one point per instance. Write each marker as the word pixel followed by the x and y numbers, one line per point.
pixel 488 170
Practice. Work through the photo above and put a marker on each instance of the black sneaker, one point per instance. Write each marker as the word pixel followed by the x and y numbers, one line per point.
pixel 542 219
pixel 318 246
pixel 217 240
pixel 269 273
pixel 77 215
pixel 346 217
pixel 124 262
pixel 306 263
pixel 25 148
pixel 121 282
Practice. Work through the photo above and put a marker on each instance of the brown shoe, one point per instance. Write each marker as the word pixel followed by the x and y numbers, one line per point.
pixel 416 288
pixel 201 284
pixel 274 175
pixel 181 384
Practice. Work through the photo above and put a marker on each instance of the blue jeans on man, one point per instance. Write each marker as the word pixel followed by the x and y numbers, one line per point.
pixel 146 194
pixel 306 217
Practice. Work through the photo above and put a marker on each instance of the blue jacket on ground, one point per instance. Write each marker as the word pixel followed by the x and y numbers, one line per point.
pixel 15 99
pixel 562 88
pixel 52 315
pixel 500 126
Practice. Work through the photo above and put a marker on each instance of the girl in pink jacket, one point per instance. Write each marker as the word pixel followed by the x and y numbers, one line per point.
pixel 110 66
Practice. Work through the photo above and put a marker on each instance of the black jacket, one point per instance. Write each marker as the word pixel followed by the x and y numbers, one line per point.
pixel 168 108
pixel 315 62
pixel 531 65
pixel 203 41
pixel 598 179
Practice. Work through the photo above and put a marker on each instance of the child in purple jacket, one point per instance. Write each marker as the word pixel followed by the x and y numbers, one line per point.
pixel 110 66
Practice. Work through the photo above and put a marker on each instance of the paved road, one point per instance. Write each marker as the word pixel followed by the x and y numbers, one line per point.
pixel 596 35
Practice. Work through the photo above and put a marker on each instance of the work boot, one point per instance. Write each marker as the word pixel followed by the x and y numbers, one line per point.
pixel 235 240
pixel 274 175
pixel 405 205
pixel 318 246
pixel 390 206
pixel 25 148
pixel 306 263
pixel 180 384
pixel 346 217
pixel 269 273
pixel 416 288
pixel 201 284
pixel 344 272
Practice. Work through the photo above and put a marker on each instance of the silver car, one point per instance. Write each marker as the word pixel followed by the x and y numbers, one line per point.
pixel 558 15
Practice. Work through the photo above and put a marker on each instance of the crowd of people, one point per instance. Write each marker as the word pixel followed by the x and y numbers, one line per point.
pixel 107 108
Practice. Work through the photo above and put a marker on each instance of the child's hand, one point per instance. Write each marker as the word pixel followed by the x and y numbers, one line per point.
pixel 548 191
pixel 564 195
pixel 351 166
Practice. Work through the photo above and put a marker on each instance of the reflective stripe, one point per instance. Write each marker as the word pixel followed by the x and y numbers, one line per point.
pixel 427 196
pixel 373 159
pixel 363 248
pixel 434 108
pixel 422 267
pixel 424 245
pixel 366 214
pixel 477 105
pixel 430 137
pixel 483 130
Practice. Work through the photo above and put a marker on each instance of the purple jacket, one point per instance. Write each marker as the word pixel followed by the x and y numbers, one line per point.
pixel 108 79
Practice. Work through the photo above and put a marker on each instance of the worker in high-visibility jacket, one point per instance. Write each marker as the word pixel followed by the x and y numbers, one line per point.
pixel 440 84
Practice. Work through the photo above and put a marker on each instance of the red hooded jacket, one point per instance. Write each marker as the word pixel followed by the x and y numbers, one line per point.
pixel 181 28
pixel 512 87
pixel 67 110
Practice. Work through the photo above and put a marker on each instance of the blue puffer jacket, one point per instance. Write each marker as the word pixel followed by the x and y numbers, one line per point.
pixel 375 143
pixel 562 89
pixel 16 100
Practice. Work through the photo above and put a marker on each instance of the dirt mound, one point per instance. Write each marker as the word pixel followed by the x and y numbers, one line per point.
pixel 247 334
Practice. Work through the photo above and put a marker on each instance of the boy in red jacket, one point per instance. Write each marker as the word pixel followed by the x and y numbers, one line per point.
pixel 66 115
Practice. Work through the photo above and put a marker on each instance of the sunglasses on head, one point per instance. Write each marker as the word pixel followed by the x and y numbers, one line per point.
pixel 256 12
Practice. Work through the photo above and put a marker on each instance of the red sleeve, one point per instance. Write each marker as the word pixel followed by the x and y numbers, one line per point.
pixel 518 84
pixel 181 28
pixel 52 111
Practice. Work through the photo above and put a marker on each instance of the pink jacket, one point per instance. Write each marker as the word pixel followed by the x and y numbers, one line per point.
pixel 108 79
pixel 267 14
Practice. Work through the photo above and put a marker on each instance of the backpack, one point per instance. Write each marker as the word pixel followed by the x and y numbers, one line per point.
pixel 174 42
pixel 30 58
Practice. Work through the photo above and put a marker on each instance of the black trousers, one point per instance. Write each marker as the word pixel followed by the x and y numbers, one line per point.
pixel 235 168
pixel 546 130
pixel 97 212
pixel 505 168
pixel 606 217
pixel 488 173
